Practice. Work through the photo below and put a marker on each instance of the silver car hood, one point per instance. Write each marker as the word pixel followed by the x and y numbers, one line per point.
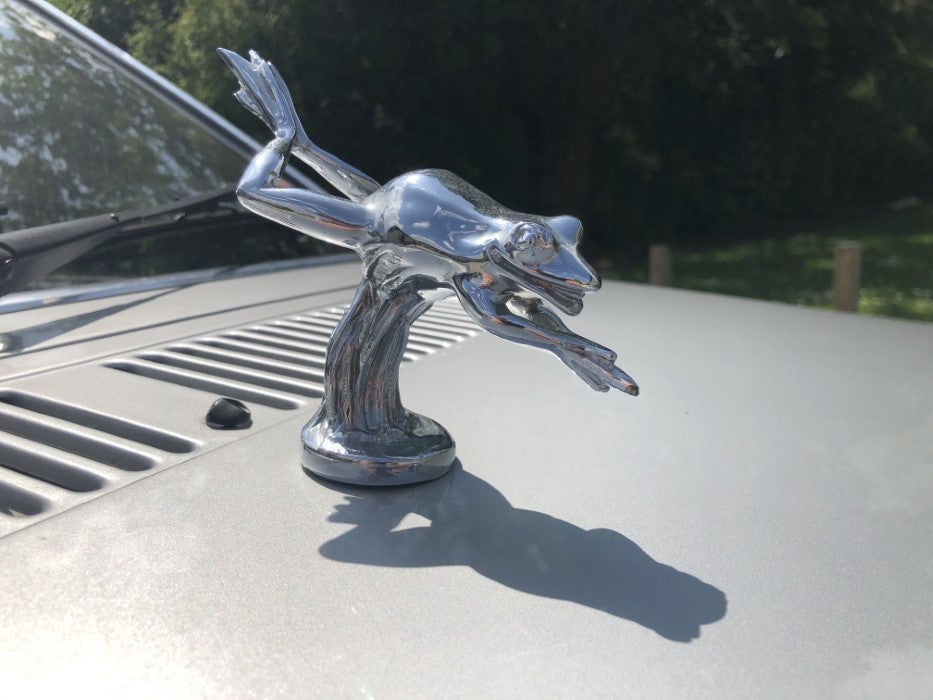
pixel 757 523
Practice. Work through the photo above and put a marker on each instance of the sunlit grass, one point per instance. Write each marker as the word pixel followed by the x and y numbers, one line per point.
pixel 897 266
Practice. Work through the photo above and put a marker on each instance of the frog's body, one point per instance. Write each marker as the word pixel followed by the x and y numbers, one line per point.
pixel 434 224
pixel 437 209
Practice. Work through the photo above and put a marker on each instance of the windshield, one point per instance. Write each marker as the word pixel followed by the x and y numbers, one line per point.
pixel 78 137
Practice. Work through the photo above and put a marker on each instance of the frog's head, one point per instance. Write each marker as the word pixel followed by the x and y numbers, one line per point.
pixel 543 256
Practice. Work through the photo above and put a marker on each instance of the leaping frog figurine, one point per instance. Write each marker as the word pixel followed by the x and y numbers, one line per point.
pixel 423 236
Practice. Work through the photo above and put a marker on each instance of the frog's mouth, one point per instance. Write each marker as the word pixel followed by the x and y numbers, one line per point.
pixel 564 287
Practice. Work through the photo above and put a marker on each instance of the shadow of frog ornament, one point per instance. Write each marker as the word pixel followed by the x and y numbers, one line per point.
pixel 423 236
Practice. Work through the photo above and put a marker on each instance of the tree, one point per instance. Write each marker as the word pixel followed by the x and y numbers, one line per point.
pixel 681 120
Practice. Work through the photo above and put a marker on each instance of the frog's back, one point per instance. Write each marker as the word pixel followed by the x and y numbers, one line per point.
pixel 440 210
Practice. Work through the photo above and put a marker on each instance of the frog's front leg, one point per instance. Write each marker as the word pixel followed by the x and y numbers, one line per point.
pixel 524 319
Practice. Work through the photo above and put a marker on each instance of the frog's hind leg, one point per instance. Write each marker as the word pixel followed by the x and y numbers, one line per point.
pixel 327 218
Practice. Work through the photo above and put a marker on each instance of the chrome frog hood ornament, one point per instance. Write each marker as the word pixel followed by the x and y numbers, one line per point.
pixel 423 236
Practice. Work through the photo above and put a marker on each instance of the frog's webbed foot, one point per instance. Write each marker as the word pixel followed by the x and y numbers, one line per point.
pixel 592 362
pixel 521 317
pixel 263 92
pixel 595 365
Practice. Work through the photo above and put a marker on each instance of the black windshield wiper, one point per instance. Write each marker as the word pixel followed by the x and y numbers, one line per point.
pixel 30 254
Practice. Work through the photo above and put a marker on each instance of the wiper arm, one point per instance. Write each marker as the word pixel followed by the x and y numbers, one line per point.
pixel 30 254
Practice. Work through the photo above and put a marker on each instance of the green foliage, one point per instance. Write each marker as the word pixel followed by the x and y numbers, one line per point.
pixel 675 121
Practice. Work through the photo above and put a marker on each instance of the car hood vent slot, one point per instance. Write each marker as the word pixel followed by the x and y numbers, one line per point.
pixel 49 469
pixel 55 454
pixel 279 363
pixel 231 368
pixel 74 441
pixel 203 383
pixel 17 502
pixel 113 425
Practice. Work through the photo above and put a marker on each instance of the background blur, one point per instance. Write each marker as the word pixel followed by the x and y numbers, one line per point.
pixel 747 134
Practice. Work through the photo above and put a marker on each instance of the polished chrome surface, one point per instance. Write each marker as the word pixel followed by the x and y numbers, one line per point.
pixel 422 237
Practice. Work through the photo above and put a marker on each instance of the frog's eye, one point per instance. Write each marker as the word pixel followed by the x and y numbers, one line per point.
pixel 532 244
pixel 528 236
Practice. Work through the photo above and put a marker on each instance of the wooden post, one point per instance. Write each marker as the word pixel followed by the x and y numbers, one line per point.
pixel 659 265
pixel 847 275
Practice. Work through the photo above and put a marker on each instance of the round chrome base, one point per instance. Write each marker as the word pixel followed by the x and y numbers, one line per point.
pixel 423 452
